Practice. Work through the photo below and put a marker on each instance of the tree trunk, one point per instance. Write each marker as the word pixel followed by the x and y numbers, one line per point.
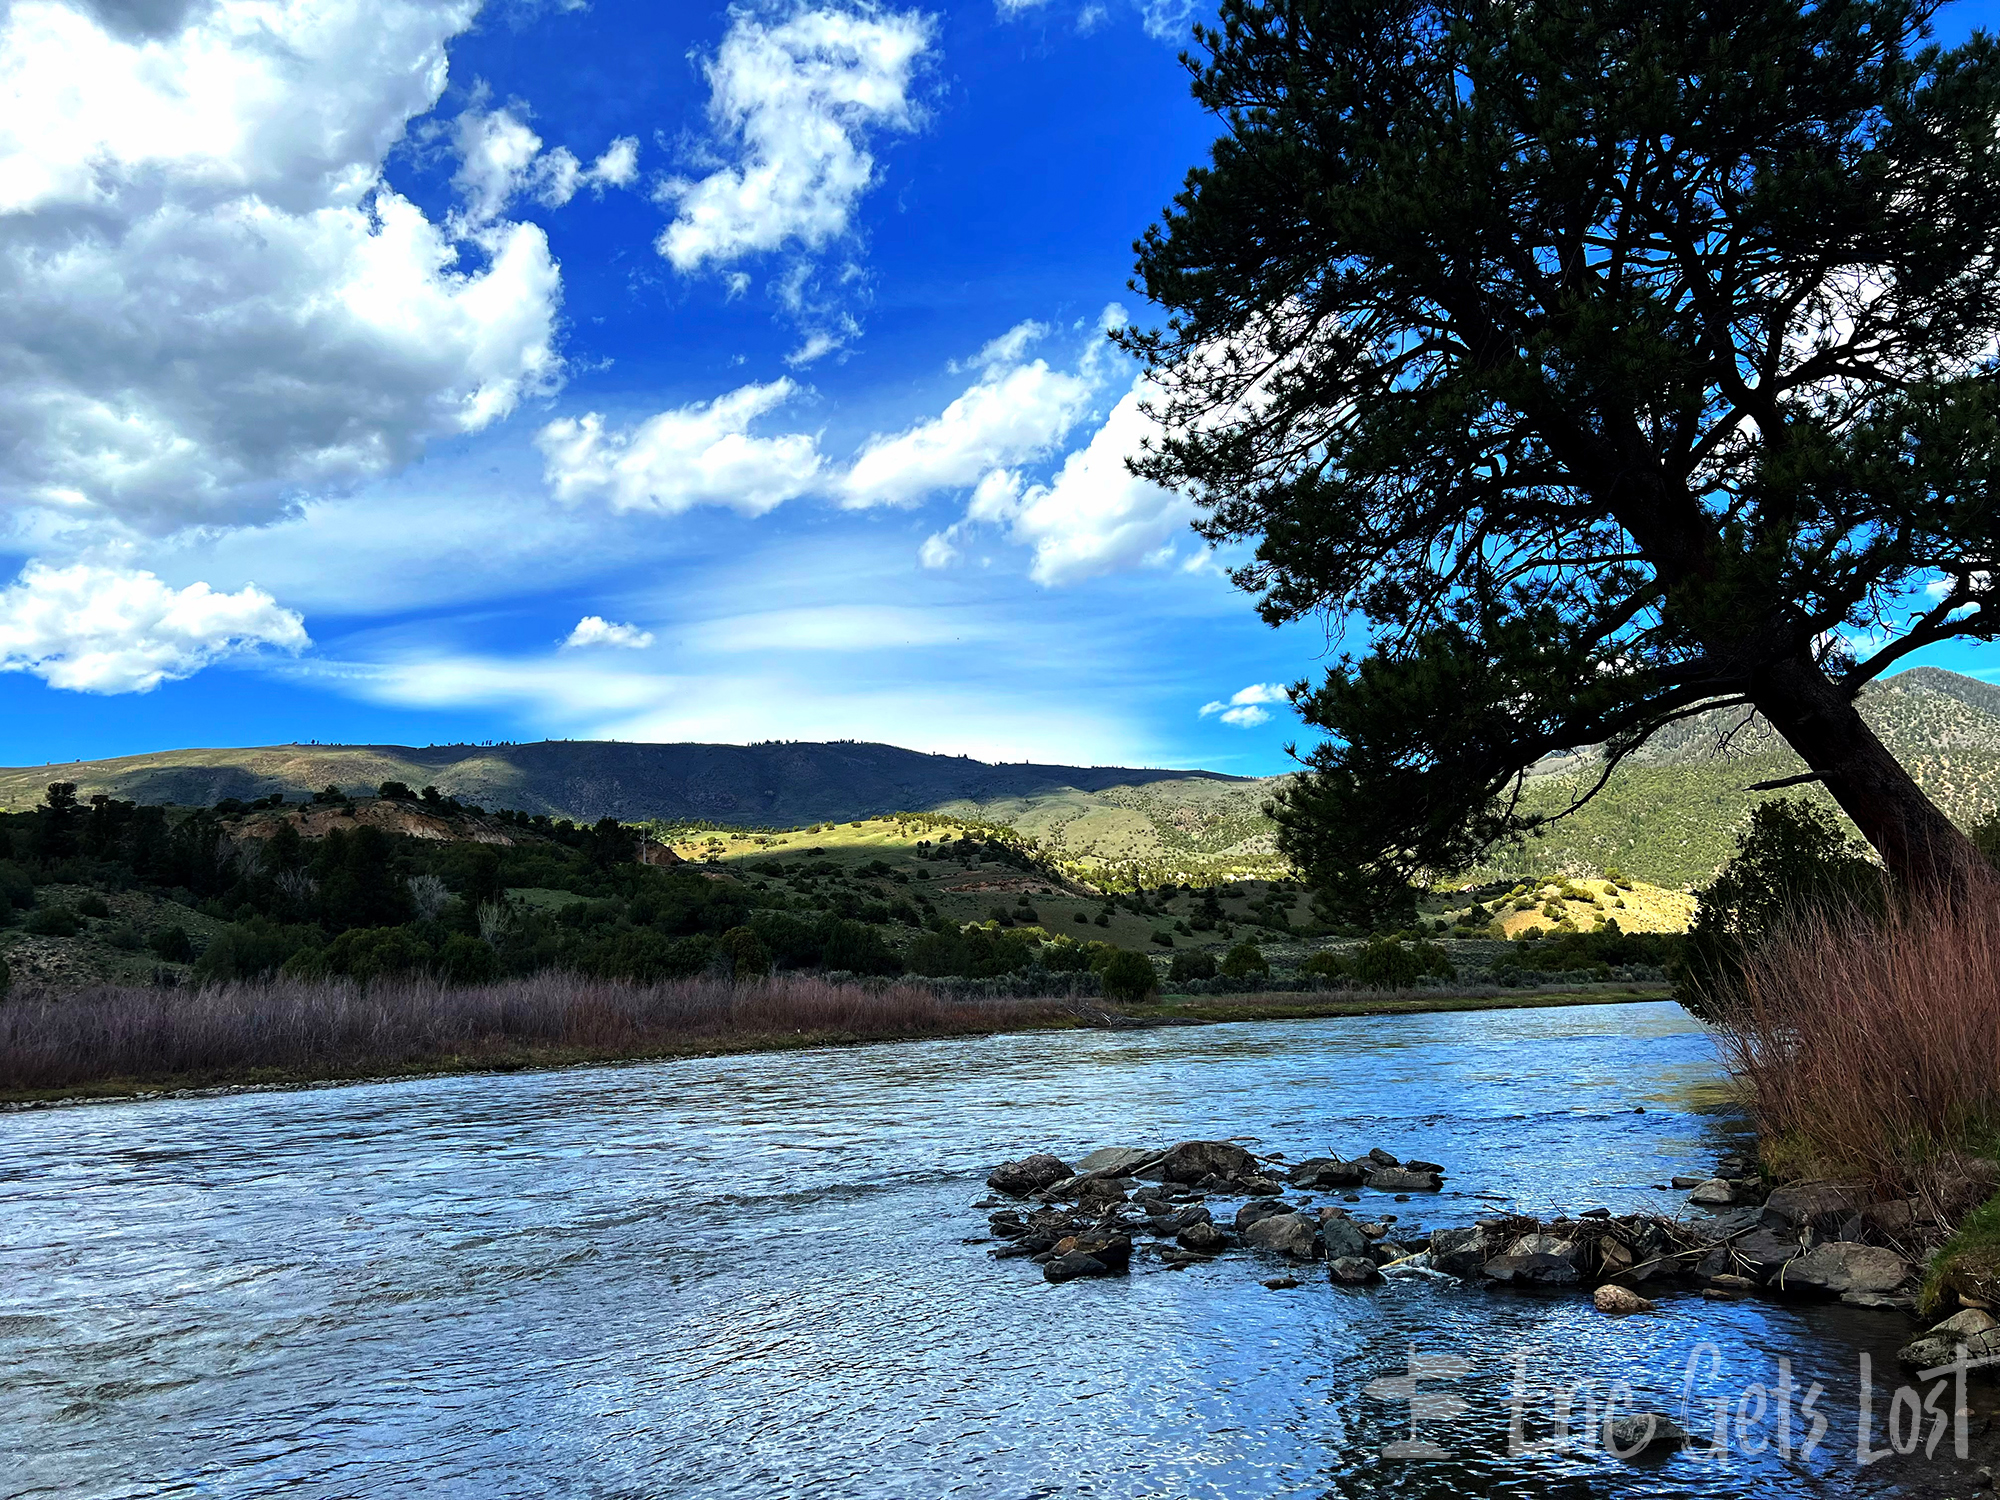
pixel 1918 843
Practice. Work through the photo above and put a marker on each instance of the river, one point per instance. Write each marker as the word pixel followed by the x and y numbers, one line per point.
pixel 752 1276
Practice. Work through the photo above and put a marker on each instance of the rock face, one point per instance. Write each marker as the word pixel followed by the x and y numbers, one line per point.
pixel 1403 1180
pixel 1194 1161
pixel 1845 1266
pixel 1028 1175
pixel 1292 1235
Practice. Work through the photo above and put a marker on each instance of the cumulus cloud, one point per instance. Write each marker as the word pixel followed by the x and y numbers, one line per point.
pixel 703 454
pixel 501 159
pixel 1016 410
pixel 1244 708
pixel 595 630
pixel 105 630
pixel 210 301
pixel 1096 516
pixel 792 105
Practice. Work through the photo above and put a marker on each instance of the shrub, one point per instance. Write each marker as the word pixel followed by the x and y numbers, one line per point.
pixel 1387 964
pixel 92 905
pixel 1244 960
pixel 1328 965
pixel 1190 964
pixel 253 948
pixel 465 959
pixel 1871 1043
pixel 1129 976
pixel 126 938
pixel 54 921
pixel 1083 918
pixel 17 888
pixel 1792 863
pixel 173 944
pixel 746 955
pixel 1164 939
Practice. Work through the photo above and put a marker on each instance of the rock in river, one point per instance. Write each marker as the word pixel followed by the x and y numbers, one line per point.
pixel 1845 1266
pixel 1352 1270
pixel 1029 1174
pixel 1328 1172
pixel 1341 1236
pixel 1643 1434
pixel 1069 1267
pixel 1618 1299
pixel 1292 1235
pixel 1191 1161
pixel 1116 1161
pixel 1403 1180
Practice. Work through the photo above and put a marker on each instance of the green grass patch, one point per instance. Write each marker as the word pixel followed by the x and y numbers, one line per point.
pixel 1970 1260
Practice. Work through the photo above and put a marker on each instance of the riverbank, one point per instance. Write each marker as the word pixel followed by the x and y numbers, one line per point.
pixel 112 1043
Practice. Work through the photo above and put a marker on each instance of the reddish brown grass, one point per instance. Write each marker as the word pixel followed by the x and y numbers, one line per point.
pixel 1872 1046
pixel 79 1039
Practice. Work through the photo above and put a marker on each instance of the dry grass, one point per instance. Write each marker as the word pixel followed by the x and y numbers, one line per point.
pixel 86 1040
pixel 1872 1046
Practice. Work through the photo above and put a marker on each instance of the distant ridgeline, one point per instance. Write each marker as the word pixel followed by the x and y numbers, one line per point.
pixel 1669 815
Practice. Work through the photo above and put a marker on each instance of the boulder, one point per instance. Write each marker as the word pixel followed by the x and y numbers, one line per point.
pixel 1029 1174
pixel 1352 1270
pixel 1970 1327
pixel 1341 1236
pixel 1073 1265
pixel 1193 1161
pixel 1717 1192
pixel 1730 1221
pixel 1116 1161
pixel 1261 1187
pixel 1292 1235
pixel 1763 1253
pixel 1101 1189
pixel 1204 1237
pixel 1642 1434
pixel 1618 1299
pixel 1255 1209
pixel 1403 1180
pixel 1413 1165
pixel 1531 1270
pixel 1684 1183
pixel 1326 1172
pixel 1172 1224
pixel 1814 1205
pixel 1457 1252
pixel 1282 1283
pixel 1844 1266
pixel 1897 1219
pixel 1382 1158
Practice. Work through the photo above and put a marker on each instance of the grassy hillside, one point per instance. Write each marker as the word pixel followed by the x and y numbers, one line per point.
pixel 1669 817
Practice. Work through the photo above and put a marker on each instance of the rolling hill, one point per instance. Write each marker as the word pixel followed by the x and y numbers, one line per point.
pixel 1669 815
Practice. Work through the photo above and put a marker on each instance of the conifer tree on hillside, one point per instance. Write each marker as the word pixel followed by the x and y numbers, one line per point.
pixel 1612 360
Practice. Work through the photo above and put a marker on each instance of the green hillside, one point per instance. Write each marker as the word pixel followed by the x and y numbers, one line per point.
pixel 1669 816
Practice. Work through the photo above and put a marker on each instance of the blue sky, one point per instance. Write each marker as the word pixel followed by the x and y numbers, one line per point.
pixel 430 372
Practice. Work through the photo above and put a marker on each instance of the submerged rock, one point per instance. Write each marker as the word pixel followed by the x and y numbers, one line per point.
pixel 1327 1172
pixel 1643 1434
pixel 1074 1265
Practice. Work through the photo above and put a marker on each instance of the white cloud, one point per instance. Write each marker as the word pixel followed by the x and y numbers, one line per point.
pixel 104 630
pixel 703 454
pixel 210 301
pixel 595 630
pixel 501 159
pixel 1096 516
pixel 1014 411
pixel 792 105
pixel 1244 708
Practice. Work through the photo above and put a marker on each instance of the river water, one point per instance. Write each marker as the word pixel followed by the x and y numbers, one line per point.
pixel 751 1276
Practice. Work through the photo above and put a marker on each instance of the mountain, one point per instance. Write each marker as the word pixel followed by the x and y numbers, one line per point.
pixel 1669 815
pixel 781 784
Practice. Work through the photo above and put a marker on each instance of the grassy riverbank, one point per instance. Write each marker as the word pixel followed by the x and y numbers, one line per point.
pixel 123 1041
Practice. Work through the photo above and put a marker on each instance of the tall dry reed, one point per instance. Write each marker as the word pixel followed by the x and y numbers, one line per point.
pixel 1871 1045
pixel 331 1029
